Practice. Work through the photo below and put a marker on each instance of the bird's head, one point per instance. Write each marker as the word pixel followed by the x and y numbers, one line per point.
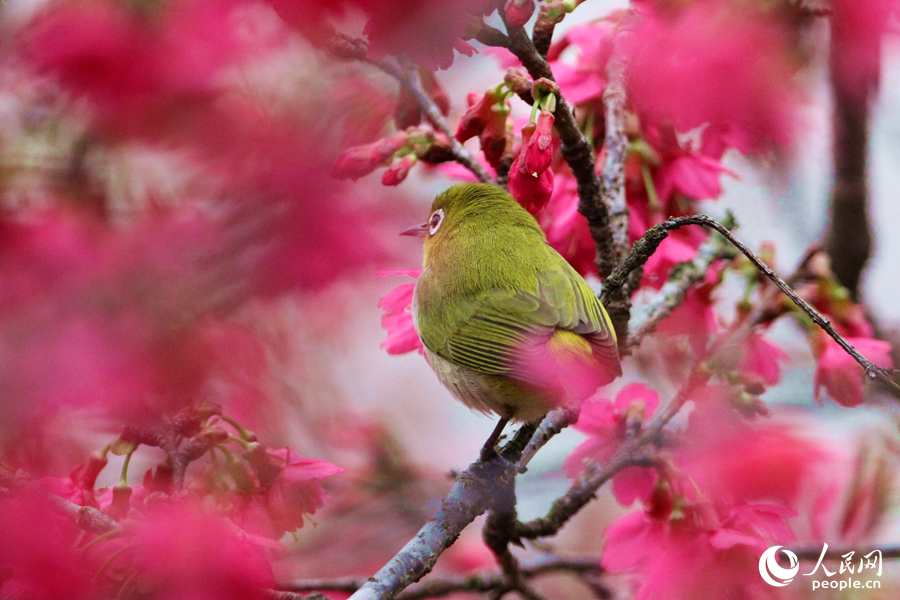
pixel 467 212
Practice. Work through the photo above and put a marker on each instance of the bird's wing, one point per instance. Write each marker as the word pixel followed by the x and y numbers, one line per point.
pixel 494 332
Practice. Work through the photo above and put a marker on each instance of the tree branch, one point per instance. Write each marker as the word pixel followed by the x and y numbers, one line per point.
pixel 444 585
pixel 577 152
pixel 684 276
pixel 470 496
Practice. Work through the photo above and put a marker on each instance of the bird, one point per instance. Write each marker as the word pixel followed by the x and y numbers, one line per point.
pixel 501 314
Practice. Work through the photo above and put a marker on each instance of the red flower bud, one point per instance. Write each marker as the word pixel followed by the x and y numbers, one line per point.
pixel 355 162
pixel 518 12
pixel 532 190
pixel 476 117
pixel 494 137
pixel 399 170
pixel 539 150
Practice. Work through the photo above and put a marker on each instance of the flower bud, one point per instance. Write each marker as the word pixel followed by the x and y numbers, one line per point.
pixel 518 80
pixel 494 137
pixel 398 171
pixel 532 190
pixel 518 12
pixel 539 151
pixel 355 162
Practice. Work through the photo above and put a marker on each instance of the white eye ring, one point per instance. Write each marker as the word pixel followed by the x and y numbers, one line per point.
pixel 434 223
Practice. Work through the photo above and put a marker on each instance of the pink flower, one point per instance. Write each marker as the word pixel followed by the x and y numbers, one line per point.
pixel 476 116
pixel 38 556
pixel 518 12
pixel 532 191
pixel 584 78
pixel 605 423
pixel 566 228
pixel 397 320
pixel 184 554
pixel 841 375
pixel 495 139
pixel 713 62
pixel 290 488
pixel 693 175
pixel 427 31
pixel 142 74
pixel 698 554
pixel 695 317
pixel 759 360
pixel 731 461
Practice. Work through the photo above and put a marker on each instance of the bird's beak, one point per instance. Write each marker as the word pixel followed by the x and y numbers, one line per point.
pixel 417 230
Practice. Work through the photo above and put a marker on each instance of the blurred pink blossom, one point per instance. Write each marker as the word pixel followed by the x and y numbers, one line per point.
pixel 715 62
pixel 566 228
pixel 289 489
pixel 582 78
pixel 531 189
pixel 605 422
pixel 185 554
pixel 759 360
pixel 857 30
pixel 731 461
pixel 428 31
pixel 38 556
pixel 841 375
pixel 698 555
pixel 397 319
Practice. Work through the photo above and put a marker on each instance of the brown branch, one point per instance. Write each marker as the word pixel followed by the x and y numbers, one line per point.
pixel 848 240
pixel 576 151
pixel 489 36
pixel 348 48
pixel 472 493
pixel 555 421
pixel 444 585
pixel 648 244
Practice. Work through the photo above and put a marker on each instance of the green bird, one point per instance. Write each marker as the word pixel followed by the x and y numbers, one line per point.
pixel 501 314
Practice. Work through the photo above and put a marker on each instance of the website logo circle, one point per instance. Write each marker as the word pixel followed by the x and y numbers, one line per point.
pixel 773 573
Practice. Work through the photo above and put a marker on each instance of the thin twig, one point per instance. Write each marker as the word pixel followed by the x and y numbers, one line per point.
pixel 346 47
pixel 872 370
pixel 87 518
pixel 409 78
pixel 654 236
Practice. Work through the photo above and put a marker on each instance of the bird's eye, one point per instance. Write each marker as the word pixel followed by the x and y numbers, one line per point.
pixel 437 217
